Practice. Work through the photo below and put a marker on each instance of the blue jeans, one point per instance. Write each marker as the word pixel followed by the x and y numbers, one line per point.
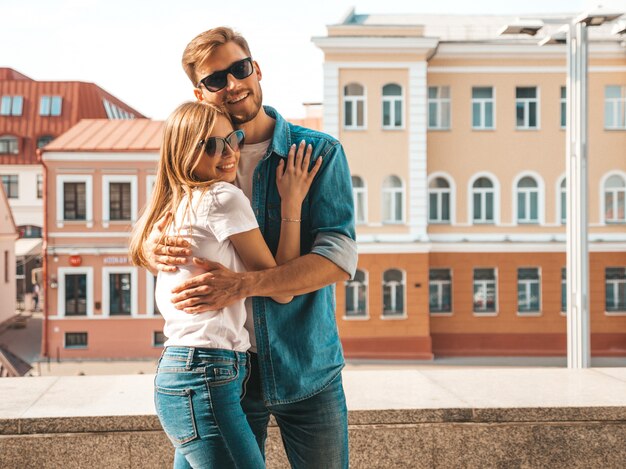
pixel 314 431
pixel 198 400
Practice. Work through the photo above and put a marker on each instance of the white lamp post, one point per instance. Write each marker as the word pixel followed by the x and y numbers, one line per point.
pixel 578 332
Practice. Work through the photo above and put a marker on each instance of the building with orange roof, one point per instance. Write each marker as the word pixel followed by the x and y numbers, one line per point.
pixel 98 176
pixel 8 236
pixel 32 114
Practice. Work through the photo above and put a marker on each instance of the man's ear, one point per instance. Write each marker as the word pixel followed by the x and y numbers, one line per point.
pixel 198 94
pixel 257 70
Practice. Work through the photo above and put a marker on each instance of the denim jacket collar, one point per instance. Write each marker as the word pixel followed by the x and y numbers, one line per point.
pixel 281 141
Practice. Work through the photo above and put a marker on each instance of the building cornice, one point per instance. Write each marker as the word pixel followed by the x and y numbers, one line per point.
pixel 376 45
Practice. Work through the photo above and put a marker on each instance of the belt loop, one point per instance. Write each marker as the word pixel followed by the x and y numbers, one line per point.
pixel 189 358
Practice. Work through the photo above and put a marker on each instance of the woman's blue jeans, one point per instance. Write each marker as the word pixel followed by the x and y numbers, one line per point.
pixel 197 395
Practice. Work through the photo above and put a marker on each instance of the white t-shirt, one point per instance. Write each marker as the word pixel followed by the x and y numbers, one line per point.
pixel 251 154
pixel 222 211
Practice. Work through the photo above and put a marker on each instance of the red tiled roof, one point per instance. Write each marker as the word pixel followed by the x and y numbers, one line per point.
pixel 80 101
pixel 100 135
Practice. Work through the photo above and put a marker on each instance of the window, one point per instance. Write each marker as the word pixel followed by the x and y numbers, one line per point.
pixel 356 295
pixel 44 140
pixel 8 145
pixel 483 200
pixel 40 186
pixel 526 108
pixel 615 289
pixel 563 200
pixel 74 199
pixel 76 294
pixel 392 107
pixel 50 105
pixel 615 200
pixel 615 107
pixel 439 201
pixel 563 107
pixel 11 105
pixel 564 290
pixel 359 193
pixel 354 106
pixel 482 108
pixel 158 339
pixel 120 198
pixel 115 112
pixel 527 201
pixel 440 291
pixel 528 290
pixel 119 291
pixel 438 107
pixel 485 296
pixel 393 200
pixel 75 290
pixel 75 340
pixel 11 185
pixel 393 293
pixel 29 231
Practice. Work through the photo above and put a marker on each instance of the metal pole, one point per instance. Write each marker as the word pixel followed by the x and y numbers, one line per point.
pixel 578 334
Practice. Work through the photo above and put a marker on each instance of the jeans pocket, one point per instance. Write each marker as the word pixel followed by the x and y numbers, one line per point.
pixel 220 374
pixel 175 410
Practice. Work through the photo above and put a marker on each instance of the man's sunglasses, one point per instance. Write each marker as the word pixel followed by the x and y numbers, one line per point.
pixel 216 146
pixel 217 80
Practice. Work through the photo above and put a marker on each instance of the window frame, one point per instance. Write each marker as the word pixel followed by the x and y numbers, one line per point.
pixel 482 102
pixel 539 189
pixel 439 103
pixel 13 144
pixel 61 273
pixel 619 312
pixel 392 100
pixel 526 102
pixel 354 100
pixel 563 108
pixel 365 284
pixel 13 182
pixel 528 286
pixel 360 193
pixel 392 191
pixel 603 191
pixel 451 190
pixel 619 104
pixel 151 306
pixel 496 199
pixel 49 109
pixel 15 106
pixel 394 316
pixel 107 179
pixel 496 310
pixel 61 179
pixel 134 292
pixel 440 284
pixel 75 347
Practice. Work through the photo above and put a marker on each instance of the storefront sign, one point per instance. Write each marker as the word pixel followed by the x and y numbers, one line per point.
pixel 115 260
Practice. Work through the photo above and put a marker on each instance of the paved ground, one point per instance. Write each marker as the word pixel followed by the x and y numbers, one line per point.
pixel 26 343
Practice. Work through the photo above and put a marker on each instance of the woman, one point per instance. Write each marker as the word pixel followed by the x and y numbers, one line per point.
pixel 202 372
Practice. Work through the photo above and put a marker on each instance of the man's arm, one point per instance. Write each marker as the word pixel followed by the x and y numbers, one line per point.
pixel 220 286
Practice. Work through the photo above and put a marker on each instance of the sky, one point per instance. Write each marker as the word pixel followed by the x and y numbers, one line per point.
pixel 133 48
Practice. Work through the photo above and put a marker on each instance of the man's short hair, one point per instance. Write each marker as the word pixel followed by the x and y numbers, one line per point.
pixel 201 46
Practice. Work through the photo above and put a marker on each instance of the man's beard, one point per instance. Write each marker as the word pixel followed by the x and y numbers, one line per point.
pixel 257 99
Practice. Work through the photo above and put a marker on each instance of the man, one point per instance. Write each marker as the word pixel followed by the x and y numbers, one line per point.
pixel 296 356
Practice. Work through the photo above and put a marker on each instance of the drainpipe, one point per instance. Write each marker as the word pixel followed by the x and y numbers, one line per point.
pixel 44 257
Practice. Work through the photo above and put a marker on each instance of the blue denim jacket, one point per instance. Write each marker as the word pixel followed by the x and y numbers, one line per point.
pixel 298 343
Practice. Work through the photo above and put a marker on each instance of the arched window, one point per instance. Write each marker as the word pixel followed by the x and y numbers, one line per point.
pixel 8 145
pixel 483 195
pixel 393 200
pixel 359 193
pixel 356 295
pixel 393 107
pixel 439 201
pixel 354 106
pixel 615 200
pixel 393 293
pixel 44 140
pixel 527 200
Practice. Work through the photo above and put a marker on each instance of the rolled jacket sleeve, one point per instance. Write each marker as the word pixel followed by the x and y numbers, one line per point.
pixel 332 211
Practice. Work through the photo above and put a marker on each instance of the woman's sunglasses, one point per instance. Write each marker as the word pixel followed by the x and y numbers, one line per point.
pixel 216 146
pixel 217 80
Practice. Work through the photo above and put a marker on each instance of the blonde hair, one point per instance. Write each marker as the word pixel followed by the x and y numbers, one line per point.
pixel 201 47
pixel 180 154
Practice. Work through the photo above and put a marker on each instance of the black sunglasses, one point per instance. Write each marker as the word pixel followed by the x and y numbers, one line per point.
pixel 217 80
pixel 215 146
